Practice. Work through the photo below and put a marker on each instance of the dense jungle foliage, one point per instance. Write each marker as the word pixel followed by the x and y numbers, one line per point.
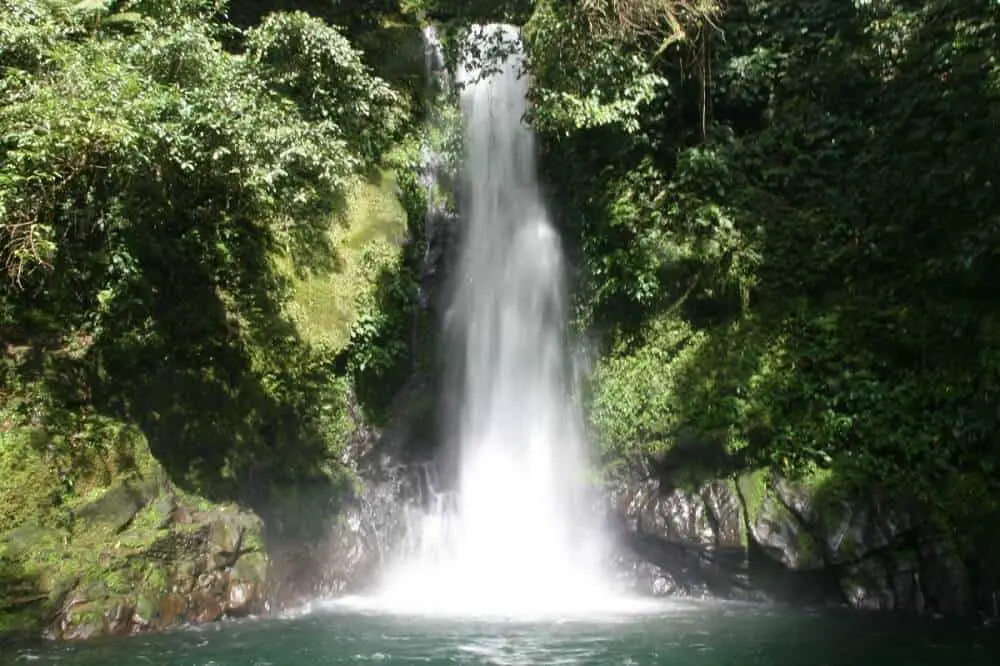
pixel 788 220
pixel 203 215
pixel 785 218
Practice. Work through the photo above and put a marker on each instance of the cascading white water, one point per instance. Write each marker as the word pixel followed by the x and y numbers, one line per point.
pixel 516 538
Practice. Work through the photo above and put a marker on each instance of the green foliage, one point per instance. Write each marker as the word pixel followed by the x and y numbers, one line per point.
pixel 202 241
pixel 313 64
pixel 581 80
pixel 788 241
pixel 143 119
pixel 470 11
pixel 633 410
pixel 163 200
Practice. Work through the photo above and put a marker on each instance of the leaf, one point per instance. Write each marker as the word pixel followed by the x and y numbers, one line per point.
pixel 92 6
pixel 125 18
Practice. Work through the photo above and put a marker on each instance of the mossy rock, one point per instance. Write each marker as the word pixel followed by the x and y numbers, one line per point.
pixel 30 487
pixel 147 608
pixel 130 563
pixel 31 576
pixel 366 241
pixel 778 525
pixel 753 488
pixel 32 540
pixel 251 568
pixel 115 508
pixel 155 578
pixel 225 533
pixel 99 617
pixel 149 526
pixel 230 533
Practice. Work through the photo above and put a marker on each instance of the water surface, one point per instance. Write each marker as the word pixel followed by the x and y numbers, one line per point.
pixel 679 635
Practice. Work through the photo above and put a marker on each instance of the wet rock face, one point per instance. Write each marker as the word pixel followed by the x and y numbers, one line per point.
pixel 211 565
pixel 677 516
pixel 347 559
pixel 763 536
pixel 137 558
pixel 677 542
pixel 355 543
pixel 883 555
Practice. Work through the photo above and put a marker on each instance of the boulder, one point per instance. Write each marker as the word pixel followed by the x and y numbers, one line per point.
pixel 118 505
pixel 678 542
pixel 781 533
pixel 160 573
pixel 765 536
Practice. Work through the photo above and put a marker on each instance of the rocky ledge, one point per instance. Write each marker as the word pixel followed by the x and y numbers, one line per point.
pixel 139 556
pixel 761 536
pixel 757 536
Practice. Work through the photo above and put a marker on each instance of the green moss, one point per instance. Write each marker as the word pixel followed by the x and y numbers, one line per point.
pixel 754 487
pixel 366 241
pixel 808 552
pixel 816 478
pixel 193 500
pixel 117 581
pixel 253 540
pixel 135 539
pixel 849 549
pixel 20 622
pixel 830 496
pixel 48 473
pixel 751 487
pixel 30 487
pixel 155 578
pixel 87 619
pixel 95 561
pixel 155 515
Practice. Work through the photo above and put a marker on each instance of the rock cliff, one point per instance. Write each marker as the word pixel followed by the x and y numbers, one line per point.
pixel 761 536
pixel 135 554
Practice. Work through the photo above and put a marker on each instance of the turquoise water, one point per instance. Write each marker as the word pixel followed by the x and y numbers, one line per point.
pixel 707 635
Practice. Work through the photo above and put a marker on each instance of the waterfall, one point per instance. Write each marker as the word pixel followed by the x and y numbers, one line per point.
pixel 516 536
pixel 438 89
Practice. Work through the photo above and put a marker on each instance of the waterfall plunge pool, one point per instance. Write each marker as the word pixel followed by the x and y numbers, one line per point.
pixel 677 634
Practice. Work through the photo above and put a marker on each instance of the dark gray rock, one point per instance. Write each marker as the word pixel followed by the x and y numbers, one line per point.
pixel 765 536
pixel 784 536
pixel 644 578
pixel 709 517
pixel 944 578
pixel 675 542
